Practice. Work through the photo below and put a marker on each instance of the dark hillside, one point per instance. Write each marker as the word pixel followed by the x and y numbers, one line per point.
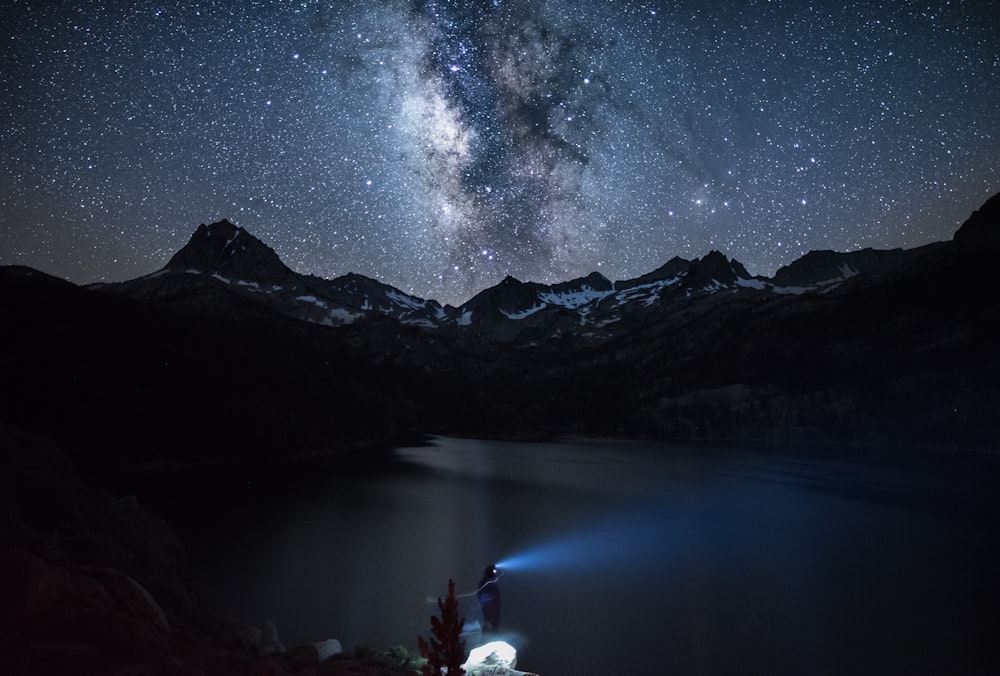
pixel 121 383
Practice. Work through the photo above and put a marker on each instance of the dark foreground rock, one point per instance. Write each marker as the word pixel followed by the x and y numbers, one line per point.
pixel 91 584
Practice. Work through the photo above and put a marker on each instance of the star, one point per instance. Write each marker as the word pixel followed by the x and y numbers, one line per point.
pixel 400 139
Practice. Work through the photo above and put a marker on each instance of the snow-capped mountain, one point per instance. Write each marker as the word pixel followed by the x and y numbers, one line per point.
pixel 223 264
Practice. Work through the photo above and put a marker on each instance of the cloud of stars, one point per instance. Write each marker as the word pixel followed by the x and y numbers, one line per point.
pixel 440 145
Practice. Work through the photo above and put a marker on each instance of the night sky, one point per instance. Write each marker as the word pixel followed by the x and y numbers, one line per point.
pixel 441 145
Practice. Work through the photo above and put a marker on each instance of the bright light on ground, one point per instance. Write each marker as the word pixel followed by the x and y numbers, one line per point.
pixel 495 652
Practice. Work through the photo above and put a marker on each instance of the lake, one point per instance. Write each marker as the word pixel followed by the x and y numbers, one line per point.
pixel 620 557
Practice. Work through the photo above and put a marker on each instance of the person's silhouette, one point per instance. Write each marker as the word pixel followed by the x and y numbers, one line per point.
pixel 488 594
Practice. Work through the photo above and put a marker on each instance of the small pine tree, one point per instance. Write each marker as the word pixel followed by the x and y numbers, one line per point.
pixel 445 652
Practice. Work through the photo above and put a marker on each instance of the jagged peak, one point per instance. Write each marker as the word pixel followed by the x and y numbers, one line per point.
pixel 509 294
pixel 228 249
pixel 596 277
pixel 224 228
pixel 716 266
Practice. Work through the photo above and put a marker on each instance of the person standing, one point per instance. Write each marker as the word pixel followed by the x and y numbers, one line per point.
pixel 488 594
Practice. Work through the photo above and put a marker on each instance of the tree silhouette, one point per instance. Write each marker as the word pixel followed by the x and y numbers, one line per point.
pixel 445 652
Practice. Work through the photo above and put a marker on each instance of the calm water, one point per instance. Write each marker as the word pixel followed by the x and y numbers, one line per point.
pixel 625 557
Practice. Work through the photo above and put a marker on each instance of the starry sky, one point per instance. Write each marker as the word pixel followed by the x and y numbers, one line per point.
pixel 440 145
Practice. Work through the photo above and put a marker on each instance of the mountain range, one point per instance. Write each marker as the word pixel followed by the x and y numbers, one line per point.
pixel 222 258
pixel 227 353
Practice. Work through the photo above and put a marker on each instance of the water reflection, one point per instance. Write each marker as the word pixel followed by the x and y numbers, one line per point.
pixel 659 559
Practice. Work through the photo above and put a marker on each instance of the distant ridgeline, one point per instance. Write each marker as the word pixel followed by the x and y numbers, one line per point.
pixel 226 353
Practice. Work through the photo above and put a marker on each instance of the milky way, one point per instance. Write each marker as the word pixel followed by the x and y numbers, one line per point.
pixel 441 145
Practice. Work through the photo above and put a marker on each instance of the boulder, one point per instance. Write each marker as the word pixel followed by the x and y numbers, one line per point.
pixel 270 644
pixel 328 648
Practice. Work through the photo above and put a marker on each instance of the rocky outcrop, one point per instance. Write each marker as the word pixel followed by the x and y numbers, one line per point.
pixel 74 598
pixel 91 585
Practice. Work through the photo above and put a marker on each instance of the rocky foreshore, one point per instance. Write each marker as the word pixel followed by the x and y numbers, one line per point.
pixel 93 584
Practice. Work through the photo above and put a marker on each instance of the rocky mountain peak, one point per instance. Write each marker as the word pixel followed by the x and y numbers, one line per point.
pixel 598 281
pixel 594 281
pixel 511 294
pixel 715 267
pixel 982 228
pixel 675 267
pixel 229 250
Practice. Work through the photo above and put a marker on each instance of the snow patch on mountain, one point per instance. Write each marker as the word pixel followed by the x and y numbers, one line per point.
pixel 339 317
pixel 846 272
pixel 406 301
pixel 311 299
pixel 524 313
pixel 422 323
pixel 648 292
pixel 792 290
pixel 574 299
